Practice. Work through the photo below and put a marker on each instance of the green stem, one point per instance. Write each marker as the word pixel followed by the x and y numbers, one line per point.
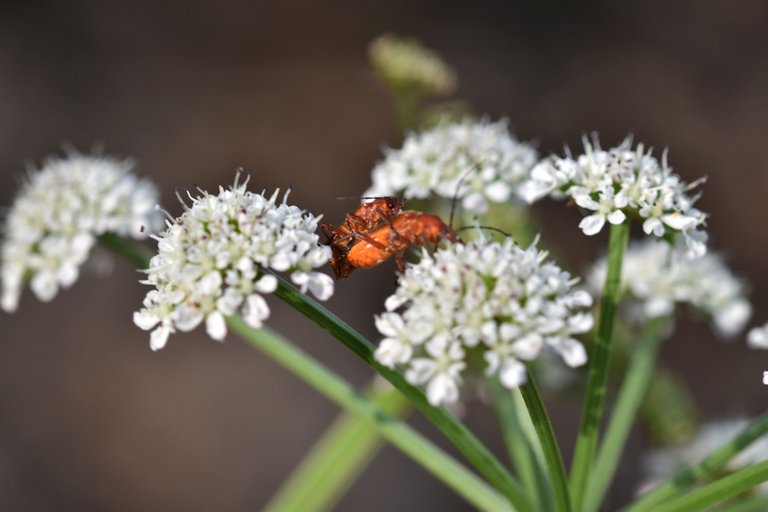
pixel 719 490
pixel 520 447
pixel 623 417
pixel 475 452
pixel 758 503
pixel 337 458
pixel 406 110
pixel 130 250
pixel 555 467
pixel 586 442
pixel 413 444
pixel 707 466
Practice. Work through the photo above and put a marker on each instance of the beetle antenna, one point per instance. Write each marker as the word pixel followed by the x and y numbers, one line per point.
pixel 458 188
pixel 362 197
pixel 489 228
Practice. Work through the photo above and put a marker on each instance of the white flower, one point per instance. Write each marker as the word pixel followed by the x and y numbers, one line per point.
pixel 661 465
pixel 656 278
pixel 622 182
pixel 440 371
pixel 758 338
pixel 211 261
pixel 609 207
pixel 60 210
pixel 479 160
pixel 506 302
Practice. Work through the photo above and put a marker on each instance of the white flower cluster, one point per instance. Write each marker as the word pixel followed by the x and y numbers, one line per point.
pixel 211 259
pixel 497 298
pixel 480 158
pixel 657 277
pixel 59 212
pixel 758 338
pixel 661 465
pixel 612 184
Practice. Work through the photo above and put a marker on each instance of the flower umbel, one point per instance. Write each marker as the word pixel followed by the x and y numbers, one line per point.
pixel 623 182
pixel 497 298
pixel 482 157
pixel 211 262
pixel 59 212
pixel 656 278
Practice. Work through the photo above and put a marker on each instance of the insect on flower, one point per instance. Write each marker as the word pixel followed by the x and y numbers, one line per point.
pixel 364 219
pixel 378 230
pixel 393 238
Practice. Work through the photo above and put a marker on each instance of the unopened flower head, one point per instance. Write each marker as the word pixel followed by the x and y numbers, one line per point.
pixel 212 259
pixel 479 162
pixel 664 464
pixel 621 182
pixel 406 65
pixel 506 302
pixel 656 278
pixel 60 210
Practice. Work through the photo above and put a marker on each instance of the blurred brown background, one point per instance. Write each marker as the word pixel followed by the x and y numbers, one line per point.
pixel 90 419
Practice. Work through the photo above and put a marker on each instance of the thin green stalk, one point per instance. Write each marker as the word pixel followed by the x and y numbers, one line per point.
pixel 520 447
pixel 586 441
pixel 406 109
pixel 628 402
pixel 475 452
pixel 529 430
pixel 555 467
pixel 337 458
pixel 719 490
pixel 128 249
pixel 713 462
pixel 756 503
pixel 448 470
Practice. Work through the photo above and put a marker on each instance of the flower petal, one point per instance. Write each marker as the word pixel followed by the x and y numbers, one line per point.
pixel 617 217
pixel 513 374
pixel 158 338
pixel 215 326
pixel 571 351
pixel 442 389
pixel 593 224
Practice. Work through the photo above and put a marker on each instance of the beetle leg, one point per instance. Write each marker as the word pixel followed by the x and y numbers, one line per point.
pixel 329 231
pixel 399 261
pixel 392 226
pixel 355 222
pixel 365 238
